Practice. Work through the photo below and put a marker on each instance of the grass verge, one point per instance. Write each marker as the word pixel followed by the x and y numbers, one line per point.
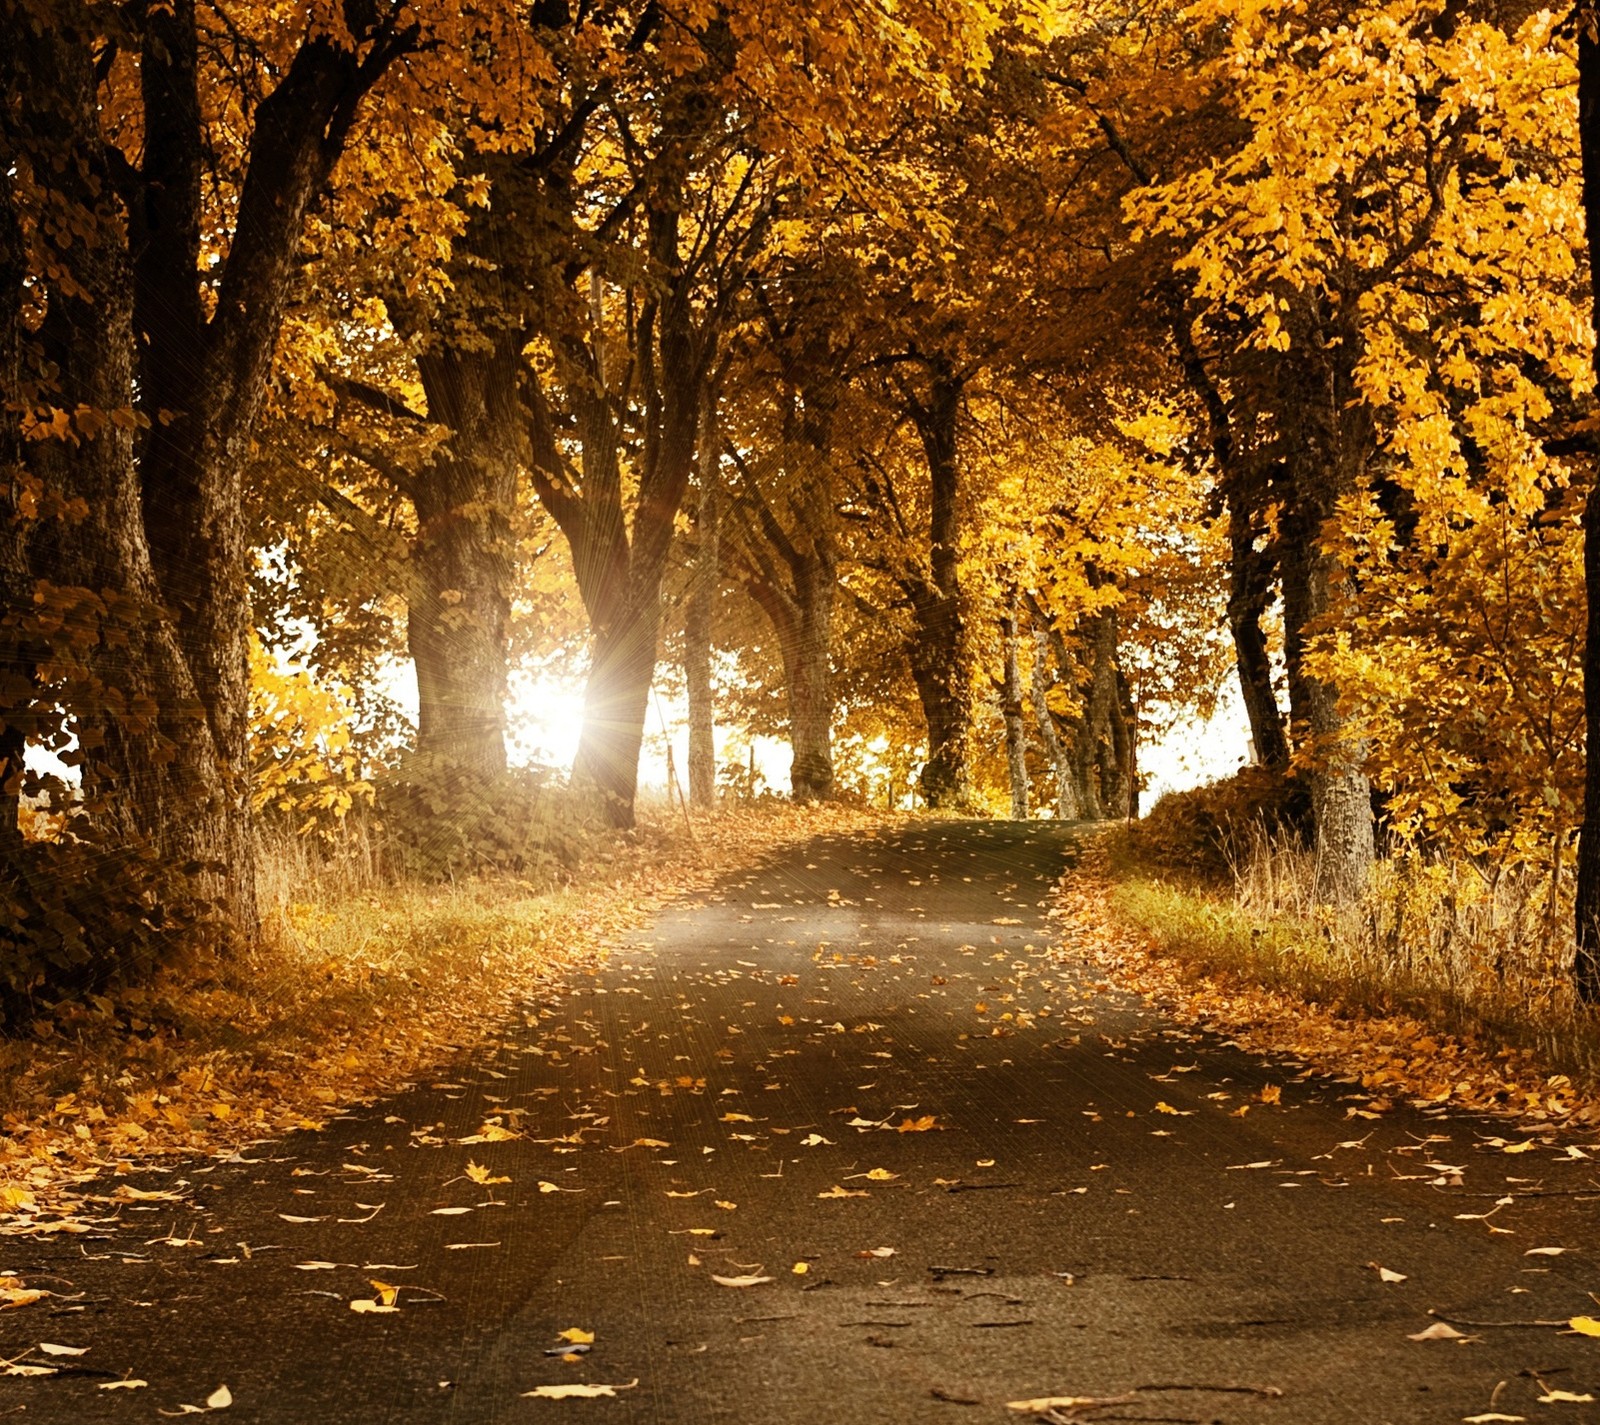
pixel 1439 1001
pixel 355 988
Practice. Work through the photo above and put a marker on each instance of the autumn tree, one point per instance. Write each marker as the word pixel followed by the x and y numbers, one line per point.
pixel 161 165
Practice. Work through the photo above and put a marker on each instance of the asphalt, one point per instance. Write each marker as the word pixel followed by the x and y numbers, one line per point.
pixel 872 1075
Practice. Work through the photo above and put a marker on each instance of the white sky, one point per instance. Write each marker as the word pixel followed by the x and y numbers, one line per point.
pixel 546 716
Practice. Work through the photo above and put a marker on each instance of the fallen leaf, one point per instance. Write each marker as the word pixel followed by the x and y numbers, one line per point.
pixel 739 1281
pixel 301 1221
pixel 881 1175
pixel 878 1252
pixel 219 1399
pixel 917 1125
pixel 1439 1331
pixel 1585 1325
pixel 449 1211
pixel 123 1384
pixel 1385 1275
pixel 1564 1397
pixel 1544 1251
pixel 1494 1417
pixel 20 1296
pixel 575 1392
pixel 576 1335
pixel 800 1268
pixel 373 1308
pixel 837 1191
pixel 51 1349
pixel 19 1369
pixel 480 1175
pixel 490 1133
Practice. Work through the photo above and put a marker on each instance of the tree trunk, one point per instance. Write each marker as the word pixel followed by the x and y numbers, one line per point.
pixel 1011 710
pixel 1249 594
pixel 1328 439
pixel 1586 970
pixel 808 665
pixel 938 647
pixel 1297 536
pixel 616 699
pixel 1250 569
pixel 697 618
pixel 463 557
pixel 1055 746
pixel 1104 737
pixel 152 778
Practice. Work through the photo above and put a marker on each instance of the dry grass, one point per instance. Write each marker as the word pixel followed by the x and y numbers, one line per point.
pixel 1478 952
pixel 357 985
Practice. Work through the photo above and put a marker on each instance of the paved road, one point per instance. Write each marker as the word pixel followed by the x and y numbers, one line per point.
pixel 1078 1209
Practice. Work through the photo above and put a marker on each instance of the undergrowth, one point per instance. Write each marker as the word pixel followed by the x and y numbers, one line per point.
pixel 1473 949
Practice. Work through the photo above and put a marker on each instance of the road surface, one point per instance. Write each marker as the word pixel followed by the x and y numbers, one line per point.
pixel 960 1171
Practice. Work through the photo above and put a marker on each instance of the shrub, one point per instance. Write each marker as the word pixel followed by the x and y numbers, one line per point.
pixel 1210 830
pixel 438 822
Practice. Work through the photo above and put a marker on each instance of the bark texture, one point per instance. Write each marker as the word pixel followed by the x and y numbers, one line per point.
pixel 1586 970
pixel 697 618
pixel 620 568
pixel 788 562
pixel 1056 747
pixel 1252 562
pixel 1325 458
pixel 938 652
pixel 1012 711
pixel 463 557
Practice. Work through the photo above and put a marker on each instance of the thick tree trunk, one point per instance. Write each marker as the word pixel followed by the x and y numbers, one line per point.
pixel 697 618
pixel 201 379
pixel 1104 739
pixel 620 577
pixel 702 706
pixel 1586 970
pixel 808 666
pixel 16 582
pixel 463 557
pixel 1327 451
pixel 151 774
pixel 938 652
pixel 1059 752
pixel 790 568
pixel 1011 711
pixel 616 699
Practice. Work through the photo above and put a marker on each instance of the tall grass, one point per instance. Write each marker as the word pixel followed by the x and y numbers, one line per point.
pixel 1476 949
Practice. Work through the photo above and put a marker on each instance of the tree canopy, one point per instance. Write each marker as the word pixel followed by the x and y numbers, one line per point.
pixel 963 391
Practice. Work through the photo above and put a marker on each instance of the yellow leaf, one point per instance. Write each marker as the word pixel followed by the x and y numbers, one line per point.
pixel 575 1392
pixel 577 1336
pixel 1585 1325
